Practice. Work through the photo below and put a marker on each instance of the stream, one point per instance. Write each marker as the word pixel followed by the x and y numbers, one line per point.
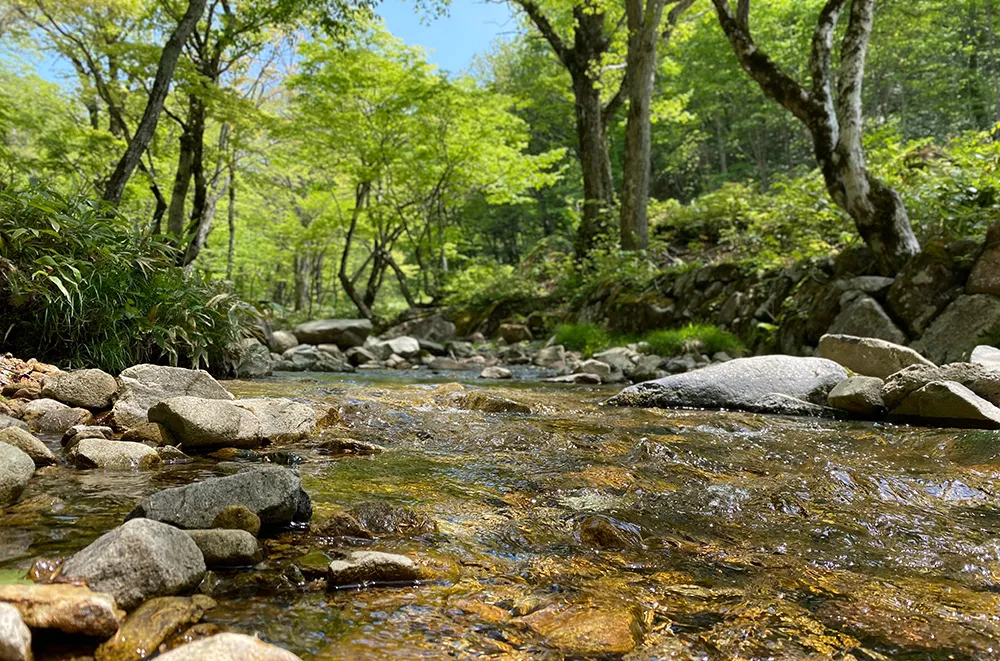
pixel 580 530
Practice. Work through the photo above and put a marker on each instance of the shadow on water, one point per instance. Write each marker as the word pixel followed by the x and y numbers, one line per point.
pixel 719 535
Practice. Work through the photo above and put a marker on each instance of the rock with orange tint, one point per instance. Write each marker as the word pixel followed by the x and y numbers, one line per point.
pixel 585 631
pixel 69 608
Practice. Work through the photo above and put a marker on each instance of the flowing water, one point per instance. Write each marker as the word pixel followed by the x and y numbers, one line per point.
pixel 583 530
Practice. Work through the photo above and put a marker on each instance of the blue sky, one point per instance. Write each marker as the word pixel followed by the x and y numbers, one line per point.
pixel 453 40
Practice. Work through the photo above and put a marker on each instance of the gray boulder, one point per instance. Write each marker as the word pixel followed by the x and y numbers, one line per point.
pixel 861 395
pixel 89 389
pixel 926 284
pixel 985 275
pixel 986 356
pixel 360 356
pixel 600 369
pixel 139 560
pixel 273 493
pixel 16 468
pixel 15 637
pixel 869 356
pixel 345 333
pixel 144 386
pixel 433 327
pixel 584 378
pixel 28 444
pixel 553 357
pixel 744 384
pixel 226 547
pixel 282 341
pixel 495 372
pixel 960 328
pixel 462 349
pixel 406 347
pixel 228 647
pixel 115 455
pixel 862 316
pixel 983 381
pixel 49 416
pixel 439 363
pixel 362 567
pixel 7 422
pixel 255 360
pixel 949 401
pixel 246 423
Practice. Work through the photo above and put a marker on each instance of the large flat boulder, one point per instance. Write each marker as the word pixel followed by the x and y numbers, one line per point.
pixel 89 389
pixel 983 381
pixel 273 493
pixel 247 423
pixel 949 401
pixel 68 608
pixel 144 386
pixel 869 356
pixel 963 325
pixel 433 327
pixel 745 384
pixel 16 468
pixel 345 333
pixel 139 560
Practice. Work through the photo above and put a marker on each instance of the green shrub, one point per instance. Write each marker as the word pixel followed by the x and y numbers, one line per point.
pixel 77 287
pixel 698 338
pixel 487 283
pixel 585 338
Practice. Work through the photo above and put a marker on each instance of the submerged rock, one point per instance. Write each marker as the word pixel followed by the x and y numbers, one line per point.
pixel 362 567
pixel 343 445
pixel 246 423
pixel 15 637
pixel 28 444
pixel 89 389
pixel 380 518
pixel 117 455
pixel 139 560
pixel 479 400
pixel 16 469
pixel 588 632
pixel 607 533
pixel 228 647
pixel 272 493
pixel 144 386
pixel 949 401
pixel 869 356
pixel 68 608
pixel 859 394
pixel 745 383
pixel 227 547
pixel 151 624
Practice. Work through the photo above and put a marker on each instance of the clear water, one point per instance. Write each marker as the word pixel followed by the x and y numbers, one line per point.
pixel 761 537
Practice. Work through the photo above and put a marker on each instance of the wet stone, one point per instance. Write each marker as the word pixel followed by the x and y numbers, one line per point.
pixel 237 517
pixel 381 518
pixel 28 444
pixel 343 525
pixel 16 469
pixel 351 446
pixel 227 547
pixel 582 631
pixel 364 567
pixel 68 608
pixel 314 564
pixel 150 625
pixel 114 455
pixel 150 433
pixel 608 533
pixel 479 400
pixel 15 637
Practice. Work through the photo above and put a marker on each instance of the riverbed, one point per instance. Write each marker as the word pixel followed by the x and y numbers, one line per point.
pixel 586 530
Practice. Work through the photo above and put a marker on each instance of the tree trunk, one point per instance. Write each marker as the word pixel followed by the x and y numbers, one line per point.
pixel 360 198
pixel 835 122
pixel 231 253
pixel 595 162
pixel 176 218
pixel 158 94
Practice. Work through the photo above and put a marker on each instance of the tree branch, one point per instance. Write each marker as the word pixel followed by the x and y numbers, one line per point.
pixel 541 21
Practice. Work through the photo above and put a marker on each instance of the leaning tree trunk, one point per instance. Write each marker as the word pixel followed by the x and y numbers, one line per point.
pixel 158 94
pixel 835 122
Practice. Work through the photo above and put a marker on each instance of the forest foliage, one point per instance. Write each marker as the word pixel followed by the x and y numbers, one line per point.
pixel 311 164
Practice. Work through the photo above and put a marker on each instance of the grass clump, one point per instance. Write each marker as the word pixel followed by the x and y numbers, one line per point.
pixel 693 338
pixel 588 339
